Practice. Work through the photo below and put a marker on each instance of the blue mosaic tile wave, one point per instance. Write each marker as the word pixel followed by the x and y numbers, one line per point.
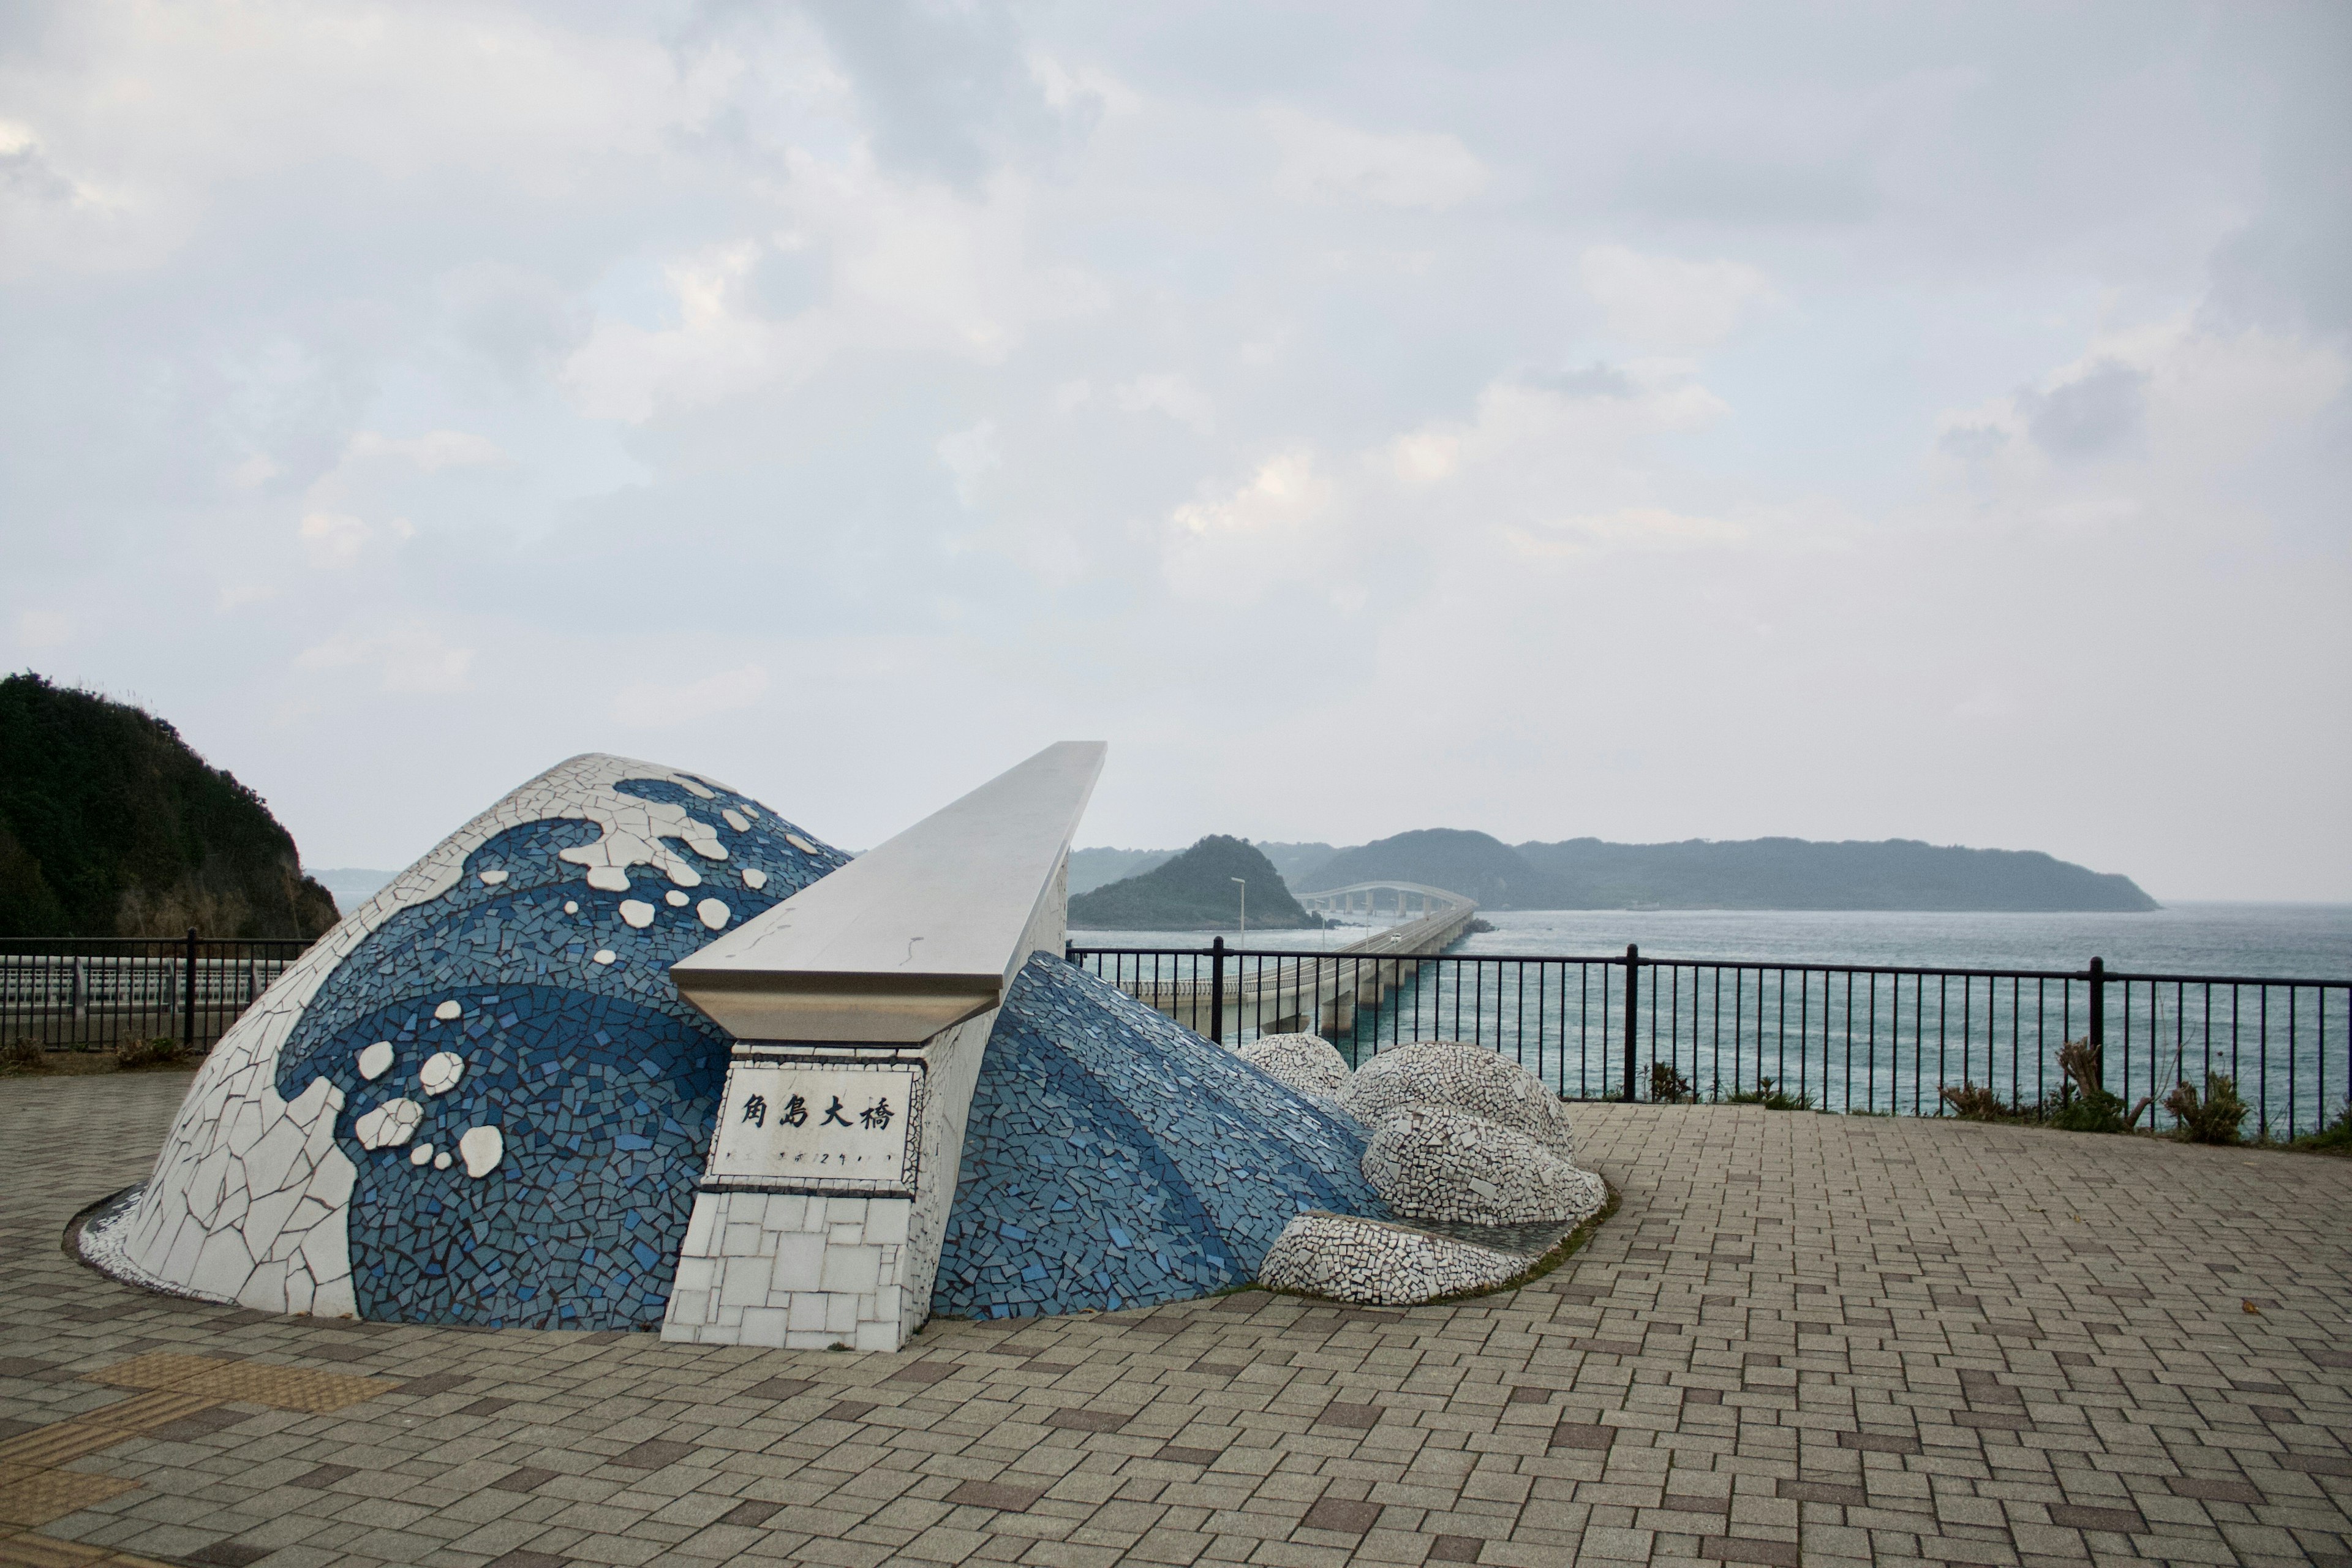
pixel 1116 1159
pixel 603 1082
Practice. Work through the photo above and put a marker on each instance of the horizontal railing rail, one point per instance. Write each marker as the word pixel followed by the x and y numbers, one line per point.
pixel 1862 1037
pixel 93 993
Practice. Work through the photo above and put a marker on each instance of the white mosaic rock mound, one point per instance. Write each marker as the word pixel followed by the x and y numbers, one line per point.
pixel 1433 1163
pixel 1464 1077
pixel 1354 1259
pixel 1308 1063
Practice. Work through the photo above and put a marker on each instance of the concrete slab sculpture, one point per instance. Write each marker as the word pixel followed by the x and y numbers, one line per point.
pixel 630 1050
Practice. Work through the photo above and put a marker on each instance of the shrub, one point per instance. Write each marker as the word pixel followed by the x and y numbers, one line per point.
pixel 24 1056
pixel 162 1051
pixel 1668 1087
pixel 2215 1118
pixel 1971 1103
pixel 2084 1103
pixel 1771 1099
pixel 2335 1138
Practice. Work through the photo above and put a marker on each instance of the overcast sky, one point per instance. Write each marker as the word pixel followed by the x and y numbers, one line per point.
pixel 1646 422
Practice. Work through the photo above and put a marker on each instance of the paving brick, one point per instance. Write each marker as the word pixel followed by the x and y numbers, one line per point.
pixel 1778 1337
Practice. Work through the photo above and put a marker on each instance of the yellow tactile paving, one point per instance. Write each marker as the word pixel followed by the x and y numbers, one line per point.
pixel 220 1379
pixel 63 1442
pixel 35 1489
pixel 31 1498
pixel 17 1551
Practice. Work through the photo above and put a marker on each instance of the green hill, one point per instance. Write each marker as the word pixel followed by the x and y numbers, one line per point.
pixel 1750 874
pixel 1195 892
pixel 110 826
pixel 1473 864
pixel 1800 874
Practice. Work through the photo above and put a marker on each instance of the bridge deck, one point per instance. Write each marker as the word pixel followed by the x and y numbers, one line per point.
pixel 1272 993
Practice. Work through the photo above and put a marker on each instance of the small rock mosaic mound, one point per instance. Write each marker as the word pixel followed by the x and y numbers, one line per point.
pixel 1433 1163
pixel 1466 1078
pixel 1308 1063
pixel 1352 1259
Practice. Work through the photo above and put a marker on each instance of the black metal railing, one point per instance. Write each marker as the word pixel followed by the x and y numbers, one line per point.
pixel 91 992
pixel 1846 1038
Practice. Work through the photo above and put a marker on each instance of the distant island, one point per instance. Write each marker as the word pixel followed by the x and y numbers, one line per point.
pixel 111 826
pixel 1695 874
pixel 1193 891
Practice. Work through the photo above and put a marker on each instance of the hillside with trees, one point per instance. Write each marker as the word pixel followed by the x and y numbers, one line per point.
pixel 1194 891
pixel 110 825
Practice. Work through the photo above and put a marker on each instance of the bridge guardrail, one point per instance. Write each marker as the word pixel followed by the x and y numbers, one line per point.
pixel 93 993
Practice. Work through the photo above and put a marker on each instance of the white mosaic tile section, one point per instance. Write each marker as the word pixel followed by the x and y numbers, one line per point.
pixel 250 1198
pixel 1468 1078
pixel 1352 1259
pixel 441 1072
pixel 794 1271
pixel 481 1148
pixel 1432 1162
pixel 1458 1135
pixel 1308 1063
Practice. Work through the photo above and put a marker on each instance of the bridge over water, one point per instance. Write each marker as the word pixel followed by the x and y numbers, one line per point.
pixel 1226 994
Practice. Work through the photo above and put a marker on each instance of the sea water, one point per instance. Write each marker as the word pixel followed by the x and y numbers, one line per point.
pixel 2299 941
pixel 1881 1042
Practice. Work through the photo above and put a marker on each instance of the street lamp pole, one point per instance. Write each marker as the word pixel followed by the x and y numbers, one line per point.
pixel 1245 884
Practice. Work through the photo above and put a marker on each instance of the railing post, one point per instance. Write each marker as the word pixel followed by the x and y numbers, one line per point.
pixel 1217 991
pixel 1633 992
pixel 2099 1018
pixel 188 994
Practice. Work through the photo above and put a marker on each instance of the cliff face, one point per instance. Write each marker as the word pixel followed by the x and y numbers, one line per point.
pixel 110 826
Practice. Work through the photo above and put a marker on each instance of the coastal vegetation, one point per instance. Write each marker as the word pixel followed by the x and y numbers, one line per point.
pixel 111 826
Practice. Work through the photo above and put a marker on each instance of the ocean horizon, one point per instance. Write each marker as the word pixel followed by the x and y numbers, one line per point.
pixel 2299 941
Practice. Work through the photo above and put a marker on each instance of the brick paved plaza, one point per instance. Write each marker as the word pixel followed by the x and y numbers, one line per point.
pixel 1834 1338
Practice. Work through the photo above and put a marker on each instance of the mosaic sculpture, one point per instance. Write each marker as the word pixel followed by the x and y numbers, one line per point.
pixel 1308 1063
pixel 479 1099
pixel 1117 1159
pixel 1475 1159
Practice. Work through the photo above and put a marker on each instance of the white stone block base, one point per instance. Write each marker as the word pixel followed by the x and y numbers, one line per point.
pixel 792 1271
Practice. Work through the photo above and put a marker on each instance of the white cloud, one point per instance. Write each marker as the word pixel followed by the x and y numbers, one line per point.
pixel 333 538
pixel 1326 160
pixel 408 657
pixel 1268 531
pixel 651 705
pixel 253 472
pixel 970 455
pixel 2148 418
pixel 1269 350
pixel 916 268
pixel 432 452
pixel 1171 395
pixel 43 628
pixel 1661 301
pixel 1632 528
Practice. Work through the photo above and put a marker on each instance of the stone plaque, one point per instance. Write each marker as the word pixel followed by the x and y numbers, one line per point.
pixel 817 1126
